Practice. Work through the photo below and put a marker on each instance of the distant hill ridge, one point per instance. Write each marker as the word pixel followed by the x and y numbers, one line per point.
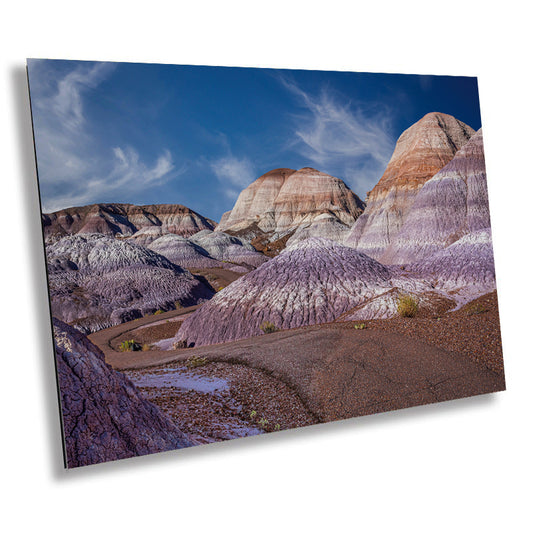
pixel 124 219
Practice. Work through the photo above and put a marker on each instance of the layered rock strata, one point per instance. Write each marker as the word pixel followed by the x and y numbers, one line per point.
pixel 449 206
pixel 421 151
pixel 104 416
pixel 282 200
pixel 123 219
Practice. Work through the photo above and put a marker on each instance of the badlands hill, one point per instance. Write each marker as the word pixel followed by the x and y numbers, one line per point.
pixel 105 418
pixel 124 219
pixel 311 282
pixel 97 281
pixel 421 151
pixel 284 200
pixel 452 204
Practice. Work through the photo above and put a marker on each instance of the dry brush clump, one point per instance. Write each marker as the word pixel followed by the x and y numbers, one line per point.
pixel 407 305
pixel 268 327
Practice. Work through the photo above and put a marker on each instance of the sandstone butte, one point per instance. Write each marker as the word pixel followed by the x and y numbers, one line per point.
pixel 282 200
pixel 124 220
pixel 421 151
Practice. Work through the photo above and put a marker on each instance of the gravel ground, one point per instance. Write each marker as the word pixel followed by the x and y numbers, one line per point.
pixel 473 330
pixel 254 402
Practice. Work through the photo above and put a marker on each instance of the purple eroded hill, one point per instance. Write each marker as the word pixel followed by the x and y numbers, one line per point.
pixel 449 206
pixel 465 268
pixel 104 416
pixel 228 248
pixel 312 282
pixel 97 281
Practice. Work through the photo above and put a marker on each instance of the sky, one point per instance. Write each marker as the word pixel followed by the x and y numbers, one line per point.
pixel 196 136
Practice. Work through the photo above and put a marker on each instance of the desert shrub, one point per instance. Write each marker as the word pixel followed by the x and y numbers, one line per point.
pixel 195 361
pixel 407 305
pixel 268 327
pixel 177 304
pixel 159 312
pixel 220 288
pixel 253 414
pixel 359 326
pixel 146 347
pixel 130 346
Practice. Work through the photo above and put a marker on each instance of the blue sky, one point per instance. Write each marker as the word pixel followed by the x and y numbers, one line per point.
pixel 145 133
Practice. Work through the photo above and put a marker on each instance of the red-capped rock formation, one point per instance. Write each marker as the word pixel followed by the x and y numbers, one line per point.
pixel 104 416
pixel 421 151
pixel 449 206
pixel 283 200
pixel 123 219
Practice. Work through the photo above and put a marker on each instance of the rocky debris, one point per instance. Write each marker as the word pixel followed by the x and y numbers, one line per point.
pixel 449 206
pixel 312 282
pixel 104 416
pixel 123 219
pixel 97 281
pixel 464 269
pixel 421 151
pixel 228 248
pixel 282 200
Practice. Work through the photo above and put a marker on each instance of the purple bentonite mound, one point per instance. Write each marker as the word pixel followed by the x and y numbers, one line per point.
pixel 465 268
pixel 104 416
pixel 97 281
pixel 312 282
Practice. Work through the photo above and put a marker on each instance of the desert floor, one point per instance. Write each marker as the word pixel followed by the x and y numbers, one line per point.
pixel 312 374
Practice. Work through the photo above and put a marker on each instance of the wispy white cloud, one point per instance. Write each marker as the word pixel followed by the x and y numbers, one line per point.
pixel 75 168
pixel 233 173
pixel 342 136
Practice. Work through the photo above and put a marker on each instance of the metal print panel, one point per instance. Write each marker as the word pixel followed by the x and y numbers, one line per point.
pixel 238 251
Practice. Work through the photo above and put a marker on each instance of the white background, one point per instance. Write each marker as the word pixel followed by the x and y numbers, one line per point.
pixel 460 466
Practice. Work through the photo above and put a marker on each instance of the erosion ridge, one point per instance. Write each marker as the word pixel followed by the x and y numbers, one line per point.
pixel 115 423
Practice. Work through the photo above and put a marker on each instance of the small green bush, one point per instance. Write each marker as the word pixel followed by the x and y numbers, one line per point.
pixel 407 305
pixel 195 361
pixel 130 346
pixel 253 414
pixel 159 312
pixel 268 327
pixel 359 326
